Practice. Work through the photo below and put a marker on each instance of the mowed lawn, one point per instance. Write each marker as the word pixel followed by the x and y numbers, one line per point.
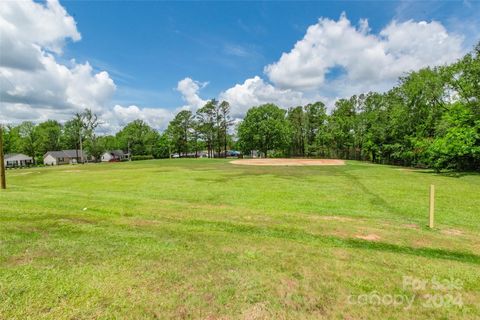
pixel 205 239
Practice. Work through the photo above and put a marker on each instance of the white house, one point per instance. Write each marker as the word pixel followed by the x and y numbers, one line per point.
pixel 53 158
pixel 14 160
pixel 114 155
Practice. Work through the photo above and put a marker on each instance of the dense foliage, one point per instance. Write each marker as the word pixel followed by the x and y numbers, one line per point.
pixel 264 128
pixel 430 119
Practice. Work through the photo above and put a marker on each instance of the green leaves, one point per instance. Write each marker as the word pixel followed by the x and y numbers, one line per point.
pixel 458 144
pixel 138 138
pixel 50 134
pixel 179 131
pixel 430 119
pixel 264 129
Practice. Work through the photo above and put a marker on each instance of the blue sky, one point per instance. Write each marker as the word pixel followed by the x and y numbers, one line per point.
pixel 147 60
pixel 148 46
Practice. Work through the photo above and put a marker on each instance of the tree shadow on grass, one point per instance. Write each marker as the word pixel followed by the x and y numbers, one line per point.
pixel 374 198
pixel 450 174
pixel 302 236
pixel 229 172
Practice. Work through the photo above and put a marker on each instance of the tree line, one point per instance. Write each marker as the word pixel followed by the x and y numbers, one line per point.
pixel 431 118
pixel 207 129
pixel 79 133
pixel 36 139
pixel 187 134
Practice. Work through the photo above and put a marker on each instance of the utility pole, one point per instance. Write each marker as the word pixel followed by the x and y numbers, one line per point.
pixel 2 162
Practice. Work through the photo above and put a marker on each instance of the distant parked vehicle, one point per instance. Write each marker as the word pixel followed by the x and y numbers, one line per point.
pixel 175 155
pixel 233 153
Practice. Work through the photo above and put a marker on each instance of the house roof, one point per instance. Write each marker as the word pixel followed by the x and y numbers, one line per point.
pixel 55 154
pixel 117 153
pixel 65 154
pixel 72 153
pixel 16 156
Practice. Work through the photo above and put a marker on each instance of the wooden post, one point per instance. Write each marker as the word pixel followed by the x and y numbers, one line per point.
pixel 432 206
pixel 2 162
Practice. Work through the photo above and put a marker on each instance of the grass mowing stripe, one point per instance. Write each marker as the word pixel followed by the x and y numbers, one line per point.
pixel 300 235
pixel 202 238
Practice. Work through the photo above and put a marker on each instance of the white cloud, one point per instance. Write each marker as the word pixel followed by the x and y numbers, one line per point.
pixel 336 59
pixel 236 50
pixel 370 62
pixel 29 27
pixel 114 119
pixel 189 89
pixel 255 91
pixel 158 118
pixel 34 85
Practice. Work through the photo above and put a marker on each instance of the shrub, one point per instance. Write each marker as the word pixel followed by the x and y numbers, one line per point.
pixel 142 157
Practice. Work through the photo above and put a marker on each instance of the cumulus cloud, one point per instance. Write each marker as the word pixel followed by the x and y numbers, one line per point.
pixel 34 85
pixel 116 118
pixel 368 61
pixel 29 27
pixel 334 59
pixel 255 91
pixel 190 93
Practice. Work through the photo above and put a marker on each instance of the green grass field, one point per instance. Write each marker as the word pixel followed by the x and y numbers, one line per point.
pixel 206 239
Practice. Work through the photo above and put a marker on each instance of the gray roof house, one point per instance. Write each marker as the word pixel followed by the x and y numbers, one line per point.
pixel 13 160
pixel 52 158
pixel 114 155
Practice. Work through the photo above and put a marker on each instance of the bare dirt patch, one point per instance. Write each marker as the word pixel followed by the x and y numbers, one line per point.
pixel 256 312
pixel 77 220
pixel 289 162
pixel 335 218
pixel 28 257
pixel 452 232
pixel 369 237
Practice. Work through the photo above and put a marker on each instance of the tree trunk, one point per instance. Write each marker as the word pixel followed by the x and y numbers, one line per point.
pixel 225 142
pixel 196 147
pixel 81 150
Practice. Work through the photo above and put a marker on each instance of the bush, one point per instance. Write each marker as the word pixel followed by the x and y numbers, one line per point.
pixel 142 157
